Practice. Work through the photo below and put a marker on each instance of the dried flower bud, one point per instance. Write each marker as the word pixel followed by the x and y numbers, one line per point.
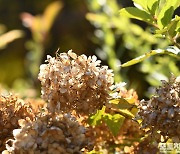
pixel 11 110
pixel 75 82
pixel 48 134
pixel 163 114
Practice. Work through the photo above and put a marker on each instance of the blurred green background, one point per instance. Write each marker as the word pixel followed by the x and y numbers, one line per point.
pixel 29 30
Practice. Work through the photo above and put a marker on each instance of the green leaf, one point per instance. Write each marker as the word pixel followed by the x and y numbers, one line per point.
pixel 161 4
pixel 134 110
pixel 152 6
pixel 172 51
pixel 131 100
pixel 149 6
pixel 126 113
pixel 166 13
pixel 173 25
pixel 142 3
pixel 141 58
pixel 114 122
pixel 96 118
pixel 176 4
pixel 177 22
pixel 178 27
pixel 160 32
pixel 121 103
pixel 136 13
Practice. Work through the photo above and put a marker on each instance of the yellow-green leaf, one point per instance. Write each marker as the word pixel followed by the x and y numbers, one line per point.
pixel 134 110
pixel 149 6
pixel 126 113
pixel 141 58
pixel 178 27
pixel 114 122
pixel 166 13
pixel 96 118
pixel 142 3
pixel 121 103
pixel 177 20
pixel 152 6
pixel 172 51
pixel 136 13
pixel 173 25
pixel 130 100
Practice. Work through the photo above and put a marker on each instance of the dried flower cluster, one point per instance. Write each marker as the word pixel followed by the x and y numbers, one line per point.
pixel 161 114
pixel 48 134
pixel 37 104
pixel 75 82
pixel 11 110
pixel 78 85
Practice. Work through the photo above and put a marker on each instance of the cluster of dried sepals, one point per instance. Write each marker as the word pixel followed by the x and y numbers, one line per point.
pixel 161 114
pixel 22 131
pixel 79 85
pixel 70 82
pixel 57 134
pixel 12 109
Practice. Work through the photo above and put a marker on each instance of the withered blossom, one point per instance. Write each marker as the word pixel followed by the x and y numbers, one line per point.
pixel 70 82
pixel 161 114
pixel 48 134
pixel 12 109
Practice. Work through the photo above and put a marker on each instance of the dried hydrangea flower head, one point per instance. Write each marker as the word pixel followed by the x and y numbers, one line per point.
pixel 161 114
pixel 56 134
pixel 37 104
pixel 11 110
pixel 75 82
